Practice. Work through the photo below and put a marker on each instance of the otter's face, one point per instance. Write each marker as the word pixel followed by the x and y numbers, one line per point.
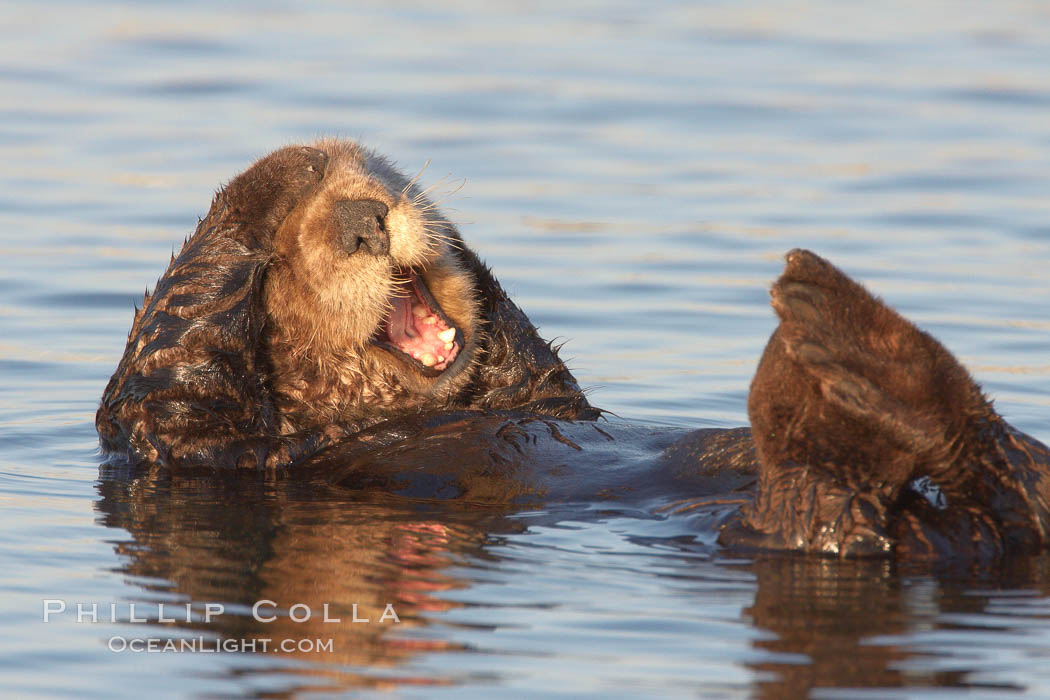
pixel 366 283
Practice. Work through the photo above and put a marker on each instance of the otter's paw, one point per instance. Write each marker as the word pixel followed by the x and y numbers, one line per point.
pixel 873 367
pixel 739 535
pixel 868 403
pixel 861 352
pixel 815 514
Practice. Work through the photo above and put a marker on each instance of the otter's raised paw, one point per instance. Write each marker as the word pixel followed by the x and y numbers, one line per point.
pixel 843 335
pixel 852 399
pixel 848 384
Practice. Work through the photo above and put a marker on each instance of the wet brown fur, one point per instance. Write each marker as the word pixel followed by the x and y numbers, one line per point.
pixel 850 405
pixel 254 352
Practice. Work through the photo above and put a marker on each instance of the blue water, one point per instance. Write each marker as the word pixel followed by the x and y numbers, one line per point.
pixel 633 173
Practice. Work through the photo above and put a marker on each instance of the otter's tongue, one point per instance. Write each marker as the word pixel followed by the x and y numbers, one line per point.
pixel 419 332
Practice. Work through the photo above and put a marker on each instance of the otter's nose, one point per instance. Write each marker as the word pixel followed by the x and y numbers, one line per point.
pixel 361 227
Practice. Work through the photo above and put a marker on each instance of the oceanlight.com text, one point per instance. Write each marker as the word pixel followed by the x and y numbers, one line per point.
pixel 212 645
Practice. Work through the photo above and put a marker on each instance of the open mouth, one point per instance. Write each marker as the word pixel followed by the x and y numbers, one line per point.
pixel 417 329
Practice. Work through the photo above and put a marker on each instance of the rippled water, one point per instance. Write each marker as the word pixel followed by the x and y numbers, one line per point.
pixel 634 175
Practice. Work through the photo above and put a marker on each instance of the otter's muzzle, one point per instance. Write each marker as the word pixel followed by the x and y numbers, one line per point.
pixel 361 228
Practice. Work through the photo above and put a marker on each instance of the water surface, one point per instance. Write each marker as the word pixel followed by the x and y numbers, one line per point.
pixel 633 175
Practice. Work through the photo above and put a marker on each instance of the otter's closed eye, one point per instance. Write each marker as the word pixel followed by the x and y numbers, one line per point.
pixel 317 160
pixel 360 226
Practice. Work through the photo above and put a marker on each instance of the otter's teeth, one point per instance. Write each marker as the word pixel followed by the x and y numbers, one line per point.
pixel 448 346
pixel 447 335
pixel 430 320
pixel 419 311
pixel 428 359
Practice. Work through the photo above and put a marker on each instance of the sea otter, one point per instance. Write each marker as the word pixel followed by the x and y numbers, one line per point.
pixel 326 322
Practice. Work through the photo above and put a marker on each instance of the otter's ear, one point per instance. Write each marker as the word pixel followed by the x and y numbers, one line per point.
pixel 261 197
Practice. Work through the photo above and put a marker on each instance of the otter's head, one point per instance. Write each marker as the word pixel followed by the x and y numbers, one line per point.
pixel 322 293
pixel 367 294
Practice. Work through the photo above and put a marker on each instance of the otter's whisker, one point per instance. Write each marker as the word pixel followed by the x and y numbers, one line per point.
pixel 448 240
pixel 423 193
pixel 446 196
pixel 416 178
pixel 437 233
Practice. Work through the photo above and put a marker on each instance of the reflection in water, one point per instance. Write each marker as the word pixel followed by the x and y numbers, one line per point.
pixel 237 541
pixel 824 624
pixel 825 609
pixel 860 624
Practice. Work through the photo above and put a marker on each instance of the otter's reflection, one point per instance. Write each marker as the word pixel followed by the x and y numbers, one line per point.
pixel 822 611
pixel 237 541
pixel 854 624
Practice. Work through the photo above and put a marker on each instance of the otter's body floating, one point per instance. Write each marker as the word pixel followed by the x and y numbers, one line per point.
pixel 325 321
